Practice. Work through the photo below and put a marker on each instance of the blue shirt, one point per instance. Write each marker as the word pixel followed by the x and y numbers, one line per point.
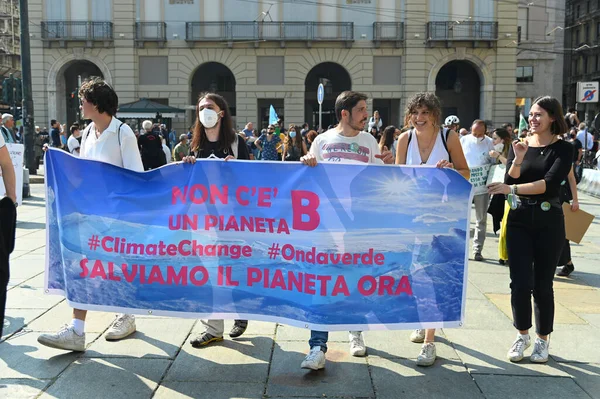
pixel 269 148
pixel 247 132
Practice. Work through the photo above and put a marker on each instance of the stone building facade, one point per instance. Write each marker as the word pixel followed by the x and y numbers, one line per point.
pixel 257 54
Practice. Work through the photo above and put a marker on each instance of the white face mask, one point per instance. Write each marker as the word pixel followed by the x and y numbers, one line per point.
pixel 208 118
pixel 499 147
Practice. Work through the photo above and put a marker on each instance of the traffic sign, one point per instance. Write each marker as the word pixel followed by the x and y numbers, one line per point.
pixel 320 93
pixel 587 92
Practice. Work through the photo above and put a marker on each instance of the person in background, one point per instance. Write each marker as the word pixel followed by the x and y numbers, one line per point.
pixel 376 122
pixel 166 150
pixel 268 143
pixel 8 122
pixel 304 130
pixel 386 141
pixel 173 139
pixel 568 193
pixel 294 148
pixel 310 138
pixel 502 141
pixel 509 129
pixel 55 134
pixel 248 130
pixel 63 135
pixel 182 149
pixel 74 141
pixel 463 132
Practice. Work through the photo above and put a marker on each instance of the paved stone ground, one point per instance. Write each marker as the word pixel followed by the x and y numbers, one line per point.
pixel 157 361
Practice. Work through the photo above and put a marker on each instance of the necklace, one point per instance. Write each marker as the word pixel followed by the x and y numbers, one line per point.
pixel 544 148
pixel 426 150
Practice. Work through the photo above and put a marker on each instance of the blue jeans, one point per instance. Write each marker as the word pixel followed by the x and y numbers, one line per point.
pixel 319 338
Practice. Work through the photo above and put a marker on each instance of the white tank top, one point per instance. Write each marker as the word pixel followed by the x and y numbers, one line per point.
pixel 438 152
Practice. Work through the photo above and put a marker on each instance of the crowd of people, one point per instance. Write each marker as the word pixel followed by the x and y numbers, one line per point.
pixel 537 168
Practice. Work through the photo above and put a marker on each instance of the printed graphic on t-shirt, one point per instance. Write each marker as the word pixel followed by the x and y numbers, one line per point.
pixel 336 152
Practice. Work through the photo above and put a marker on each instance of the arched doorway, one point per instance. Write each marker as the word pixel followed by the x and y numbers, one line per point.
pixel 458 86
pixel 214 77
pixel 68 86
pixel 335 79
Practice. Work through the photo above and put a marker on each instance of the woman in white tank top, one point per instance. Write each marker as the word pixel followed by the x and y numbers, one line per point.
pixel 428 144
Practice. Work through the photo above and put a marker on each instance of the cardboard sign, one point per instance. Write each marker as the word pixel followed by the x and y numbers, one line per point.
pixel 576 223
pixel 479 178
pixel 496 174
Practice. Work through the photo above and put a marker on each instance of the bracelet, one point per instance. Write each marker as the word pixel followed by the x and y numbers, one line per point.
pixel 514 189
pixel 518 165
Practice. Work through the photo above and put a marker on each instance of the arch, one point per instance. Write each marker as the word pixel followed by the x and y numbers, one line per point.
pixel 336 79
pixel 57 108
pixel 459 90
pixel 486 86
pixel 214 77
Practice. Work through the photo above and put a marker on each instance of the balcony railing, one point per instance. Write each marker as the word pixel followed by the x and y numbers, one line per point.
pixel 271 31
pixel 388 32
pixel 151 31
pixel 465 31
pixel 77 30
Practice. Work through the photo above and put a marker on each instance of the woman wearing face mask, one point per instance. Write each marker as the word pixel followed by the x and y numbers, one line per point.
pixel 295 147
pixel 427 143
pixel 267 144
pixel 214 137
pixel 498 210
pixel 535 230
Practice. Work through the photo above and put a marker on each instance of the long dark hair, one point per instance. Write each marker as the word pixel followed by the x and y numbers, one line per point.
pixel 387 138
pixel 503 134
pixel 296 141
pixel 552 106
pixel 226 134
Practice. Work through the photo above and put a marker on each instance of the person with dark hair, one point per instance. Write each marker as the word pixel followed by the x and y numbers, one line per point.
pixel 571 118
pixel 535 229
pixel 55 134
pixel 214 137
pixel 428 143
pixel 346 143
pixel 74 142
pixel 294 147
pixel 108 140
pixel 509 129
pixel 502 140
pixel 387 139
pixel 304 130
pixel 477 147
pixel 267 144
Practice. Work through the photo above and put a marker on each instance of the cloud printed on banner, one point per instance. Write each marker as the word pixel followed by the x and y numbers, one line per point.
pixel 430 218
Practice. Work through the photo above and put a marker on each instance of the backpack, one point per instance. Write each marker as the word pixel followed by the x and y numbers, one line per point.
pixel 444 141
pixel 152 152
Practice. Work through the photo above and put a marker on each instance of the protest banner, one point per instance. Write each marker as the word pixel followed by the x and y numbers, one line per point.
pixel 479 177
pixel 16 152
pixel 334 247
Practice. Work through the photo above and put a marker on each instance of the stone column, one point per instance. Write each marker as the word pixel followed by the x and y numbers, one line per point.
pixel 125 66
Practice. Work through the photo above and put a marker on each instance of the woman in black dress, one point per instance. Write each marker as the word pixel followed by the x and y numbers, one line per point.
pixel 535 232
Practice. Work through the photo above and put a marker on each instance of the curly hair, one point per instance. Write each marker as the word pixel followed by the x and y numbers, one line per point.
pixel 96 91
pixel 427 100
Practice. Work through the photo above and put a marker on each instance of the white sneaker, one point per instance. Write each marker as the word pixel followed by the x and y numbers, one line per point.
pixel 66 338
pixel 315 360
pixel 418 336
pixel 121 327
pixel 540 351
pixel 515 353
pixel 357 344
pixel 427 356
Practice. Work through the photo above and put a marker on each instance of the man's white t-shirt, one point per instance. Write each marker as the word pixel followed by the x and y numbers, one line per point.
pixel 106 147
pixel 73 144
pixel 2 142
pixel 331 146
pixel 477 150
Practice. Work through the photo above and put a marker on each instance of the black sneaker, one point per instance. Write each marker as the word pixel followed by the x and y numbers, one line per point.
pixel 566 270
pixel 204 339
pixel 502 261
pixel 478 257
pixel 239 327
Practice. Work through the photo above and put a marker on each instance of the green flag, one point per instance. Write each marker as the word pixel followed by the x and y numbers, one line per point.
pixel 522 123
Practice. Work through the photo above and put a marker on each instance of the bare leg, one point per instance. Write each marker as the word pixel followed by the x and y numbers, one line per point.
pixel 79 314
pixel 429 335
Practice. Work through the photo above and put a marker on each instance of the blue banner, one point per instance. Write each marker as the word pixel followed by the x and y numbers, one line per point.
pixel 334 247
